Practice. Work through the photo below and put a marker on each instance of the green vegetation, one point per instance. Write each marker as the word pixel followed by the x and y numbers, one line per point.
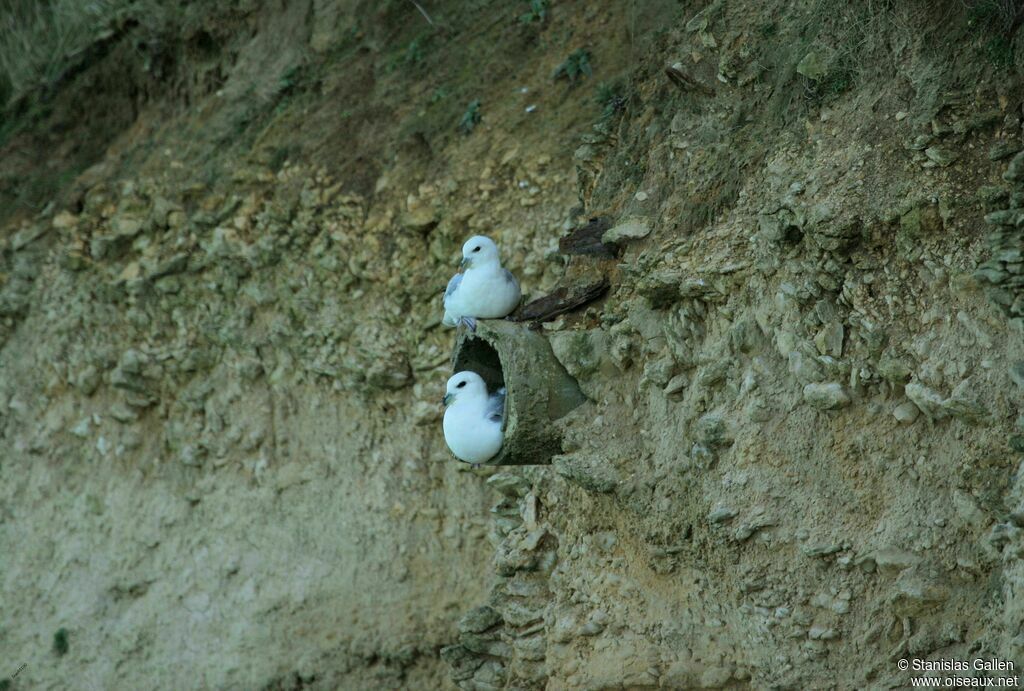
pixel 575 66
pixel 438 95
pixel 33 191
pixel 999 51
pixel 412 55
pixel 290 79
pixel 12 123
pixel 60 642
pixel 991 15
pixel 811 57
pixel 280 156
pixel 39 38
pixel 538 12
pixel 992 21
pixel 611 98
pixel 414 51
pixel 470 118
pixel 838 78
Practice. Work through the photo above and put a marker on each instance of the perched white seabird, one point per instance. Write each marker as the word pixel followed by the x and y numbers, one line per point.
pixel 484 290
pixel 472 418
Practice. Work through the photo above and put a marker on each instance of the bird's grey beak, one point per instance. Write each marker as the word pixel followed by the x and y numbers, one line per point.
pixel 466 261
pixel 447 397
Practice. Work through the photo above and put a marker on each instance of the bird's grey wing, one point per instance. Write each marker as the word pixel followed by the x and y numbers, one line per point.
pixel 496 405
pixel 453 285
pixel 510 278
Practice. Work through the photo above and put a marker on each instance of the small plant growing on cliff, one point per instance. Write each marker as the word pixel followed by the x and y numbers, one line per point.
pixel 993 15
pixel 611 99
pixel 538 12
pixel 997 21
pixel 414 52
pixel 411 56
pixel 438 95
pixel 471 118
pixel 999 51
pixel 836 83
pixel 39 40
pixel 60 642
pixel 575 66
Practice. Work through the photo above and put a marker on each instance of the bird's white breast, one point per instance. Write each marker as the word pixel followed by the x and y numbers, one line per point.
pixel 485 293
pixel 470 435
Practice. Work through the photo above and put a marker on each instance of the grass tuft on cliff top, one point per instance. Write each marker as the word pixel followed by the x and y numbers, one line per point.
pixel 40 38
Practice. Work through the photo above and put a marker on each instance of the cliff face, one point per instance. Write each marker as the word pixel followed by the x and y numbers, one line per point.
pixel 223 241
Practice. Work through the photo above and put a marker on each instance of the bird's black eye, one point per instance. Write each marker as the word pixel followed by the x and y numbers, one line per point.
pixel 477 248
pixel 460 385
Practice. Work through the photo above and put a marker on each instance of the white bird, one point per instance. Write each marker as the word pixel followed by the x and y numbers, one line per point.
pixel 472 418
pixel 484 290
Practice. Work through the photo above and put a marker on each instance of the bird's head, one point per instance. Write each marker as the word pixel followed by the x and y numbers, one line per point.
pixel 464 385
pixel 479 250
